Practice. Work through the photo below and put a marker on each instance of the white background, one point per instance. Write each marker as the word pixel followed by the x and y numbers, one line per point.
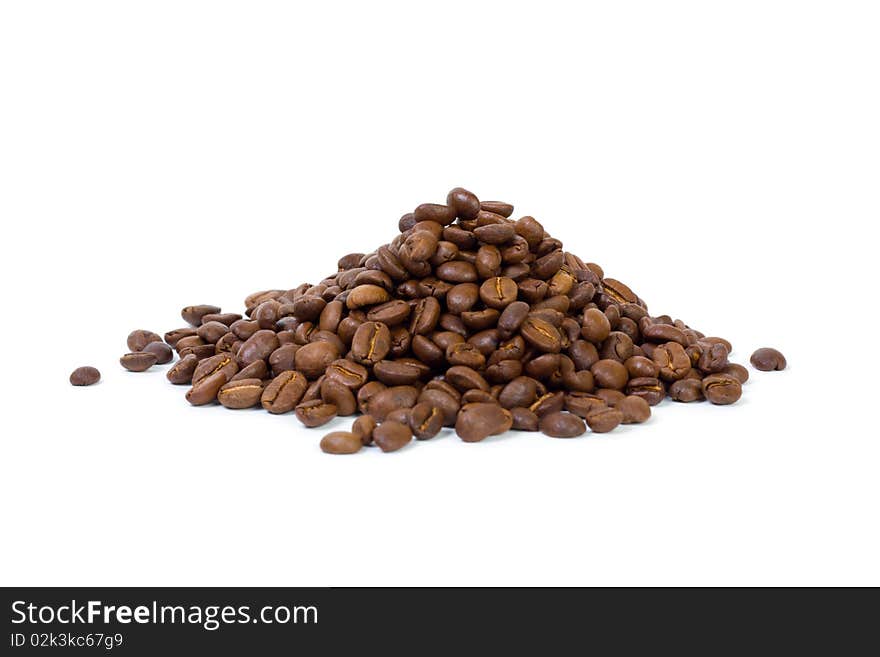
pixel 722 158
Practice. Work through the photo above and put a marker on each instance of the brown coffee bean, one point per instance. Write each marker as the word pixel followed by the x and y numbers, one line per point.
pixel 193 314
pixel 686 390
pixel 390 399
pixel 341 442
pixel 550 402
pixel 425 420
pixel 465 204
pixel 138 362
pixel 737 371
pixel 425 316
pixel 722 389
pixel 610 374
pixel 182 371
pixel 445 402
pixel 257 347
pixel 205 390
pixel 635 410
pixel 713 358
pixel 312 359
pixel 211 332
pixel 524 419
pixel 457 271
pixel 442 214
pixel 648 388
pixel 595 326
pixel 562 425
pixel 314 413
pixel 639 366
pixel 371 343
pixel 768 359
pixel 541 334
pixel 363 428
pixel 391 436
pixel 582 404
pixel 498 292
pixel 140 338
pixel 84 376
pixel 172 337
pixel 478 421
pixel 673 361
pixel 498 207
pixel 217 363
pixel 466 378
pixel 366 295
pixel 161 351
pixel 244 393
pixel 284 393
pixel 603 420
pixel 340 395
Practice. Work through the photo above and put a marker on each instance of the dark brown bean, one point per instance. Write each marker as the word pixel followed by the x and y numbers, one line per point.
pixel 84 376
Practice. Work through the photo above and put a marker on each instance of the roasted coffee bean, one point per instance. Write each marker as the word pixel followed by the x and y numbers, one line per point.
pixel 140 338
pixel 396 372
pixel 363 428
pixel 161 351
pixel 550 402
pixel 391 436
pixel 312 359
pixel 244 393
pixel 639 366
pixel 477 396
pixel 524 419
pixel 768 359
pixel 466 378
pixel 713 359
pixel 348 373
pixel 182 371
pixel 661 333
pixel 340 395
pixel 284 392
pixel 211 332
pixel 223 318
pixel 217 363
pixel 366 295
pixel 497 207
pixel 521 392
pixel 584 354
pixel 205 390
pixel 371 343
pixel 257 347
pixel 610 374
pixel 442 214
pixel 84 376
pixel 648 388
pixel 686 390
pixel 495 233
pixel 498 292
pixel 172 337
pixel 541 334
pixel 635 410
pixel 722 389
pixel 138 362
pixel 476 422
pixel 391 313
pixel 425 420
pixel 341 442
pixel 673 361
pixel 390 399
pixel 737 371
pixel 465 204
pixel 562 425
pixel 256 370
pixel 425 316
pixel 193 314
pixel 582 404
pixel 595 326
pixel 603 420
pixel 444 402
pixel 314 413
pixel 282 359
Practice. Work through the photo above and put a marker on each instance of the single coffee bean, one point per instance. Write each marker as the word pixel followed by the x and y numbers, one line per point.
pixel 366 295
pixel 313 359
pixel 595 326
pixel 340 395
pixel 737 371
pixel 348 373
pixel 562 425
pixel 193 314
pixel 713 359
pixel 244 393
pixel 639 366
pixel 84 376
pixel 609 396
pixel 478 421
pixel 371 343
pixel 673 361
pixel 282 359
pixel 257 347
pixel 425 420
pixel 173 336
pixel 390 436
pixel 722 389
pixel 445 402
pixel 391 313
pixel 465 204
pixel 768 359
pixel 205 391
pixel 524 419
pixel 582 404
pixel 499 208
pixel 140 338
pixel 138 362
pixel 341 442
pixel 635 410
pixel 648 388
pixel 161 351
pixel 363 428
pixel 390 399
pixel 541 334
pixel 211 332
pixel 182 371
pixel 610 374
pixel 521 392
pixel 551 402
pixel 466 378
pixel 217 363
pixel 223 318
pixel 315 413
pixel 442 214
pixel 603 420
pixel 686 390
pixel 285 392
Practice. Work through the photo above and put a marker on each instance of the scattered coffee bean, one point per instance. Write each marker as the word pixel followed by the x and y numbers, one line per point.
pixel 140 338
pixel 84 376
pixel 562 425
pixel 138 362
pixel 341 442
pixel 391 436
pixel 768 359
pixel 161 351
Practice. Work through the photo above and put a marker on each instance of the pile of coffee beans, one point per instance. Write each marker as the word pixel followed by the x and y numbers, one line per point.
pixel 466 319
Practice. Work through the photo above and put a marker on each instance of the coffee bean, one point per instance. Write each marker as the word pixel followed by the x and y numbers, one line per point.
pixel 713 358
pixel 341 442
pixel 722 389
pixel 84 376
pixel 443 401
pixel 497 207
pixel 182 371
pixel 442 214
pixel 648 388
pixel 635 410
pixel 366 295
pixel 768 359
pixel 686 390
pixel 284 393
pixel 312 359
pixel 138 362
pixel 340 395
pixel 257 347
pixel 205 390
pixel 498 292
pixel 390 399
pixel 244 393
pixel 140 338
pixel 476 422
pixel 390 436
pixel 172 337
pixel 211 332
pixel 603 420
pixel 562 425
pixel 541 334
pixel 161 351
pixel 193 314
pixel 610 374
pixel 737 371
pixel 595 325
pixel 218 363
pixel 672 360
pixel 315 413
pixel 363 428
pixel 524 419
pixel 425 420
